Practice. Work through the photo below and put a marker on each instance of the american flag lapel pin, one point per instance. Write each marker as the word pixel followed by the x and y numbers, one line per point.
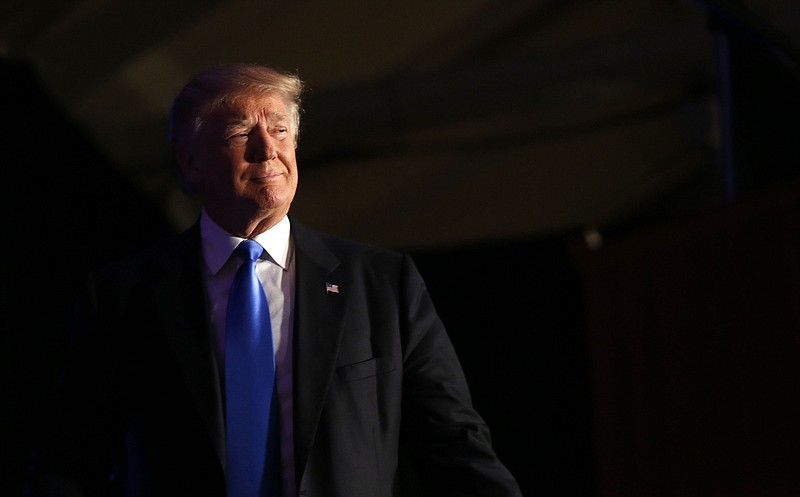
pixel 331 288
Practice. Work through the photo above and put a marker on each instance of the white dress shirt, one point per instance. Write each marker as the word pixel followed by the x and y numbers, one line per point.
pixel 275 269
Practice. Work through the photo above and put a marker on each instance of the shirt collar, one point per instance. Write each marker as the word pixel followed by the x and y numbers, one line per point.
pixel 218 244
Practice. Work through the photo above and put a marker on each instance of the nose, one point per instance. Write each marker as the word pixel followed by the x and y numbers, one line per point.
pixel 261 146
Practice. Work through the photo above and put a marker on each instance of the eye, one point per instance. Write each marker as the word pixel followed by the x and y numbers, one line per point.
pixel 238 138
pixel 280 131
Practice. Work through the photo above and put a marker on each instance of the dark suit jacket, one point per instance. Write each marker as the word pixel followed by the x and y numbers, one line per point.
pixel 380 398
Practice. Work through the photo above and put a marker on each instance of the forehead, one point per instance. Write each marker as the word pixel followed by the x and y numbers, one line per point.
pixel 247 107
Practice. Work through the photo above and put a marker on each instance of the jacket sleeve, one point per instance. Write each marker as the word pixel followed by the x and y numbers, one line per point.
pixel 444 438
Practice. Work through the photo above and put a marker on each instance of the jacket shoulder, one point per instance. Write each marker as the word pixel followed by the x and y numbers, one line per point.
pixel 163 255
pixel 345 250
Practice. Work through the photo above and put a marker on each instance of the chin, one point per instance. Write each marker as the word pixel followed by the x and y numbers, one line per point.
pixel 271 202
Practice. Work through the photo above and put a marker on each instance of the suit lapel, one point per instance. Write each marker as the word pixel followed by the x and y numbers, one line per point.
pixel 319 321
pixel 319 318
pixel 180 299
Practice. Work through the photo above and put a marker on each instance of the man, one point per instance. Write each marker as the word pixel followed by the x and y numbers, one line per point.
pixel 369 398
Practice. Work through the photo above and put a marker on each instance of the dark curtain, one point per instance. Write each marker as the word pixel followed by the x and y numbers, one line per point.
pixel 694 332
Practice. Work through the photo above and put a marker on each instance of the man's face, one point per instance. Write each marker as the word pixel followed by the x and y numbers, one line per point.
pixel 243 161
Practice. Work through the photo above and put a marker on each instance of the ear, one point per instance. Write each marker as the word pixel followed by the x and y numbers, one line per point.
pixel 188 171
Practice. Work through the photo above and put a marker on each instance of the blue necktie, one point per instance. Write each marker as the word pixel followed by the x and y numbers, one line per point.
pixel 251 420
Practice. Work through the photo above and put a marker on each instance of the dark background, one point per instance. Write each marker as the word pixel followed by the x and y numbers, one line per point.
pixel 650 352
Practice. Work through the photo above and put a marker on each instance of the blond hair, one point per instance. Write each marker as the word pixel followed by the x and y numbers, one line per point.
pixel 222 85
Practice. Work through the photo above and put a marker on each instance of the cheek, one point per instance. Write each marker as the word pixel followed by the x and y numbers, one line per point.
pixel 288 157
pixel 216 170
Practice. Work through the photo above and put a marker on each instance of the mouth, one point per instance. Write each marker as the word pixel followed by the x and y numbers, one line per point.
pixel 266 177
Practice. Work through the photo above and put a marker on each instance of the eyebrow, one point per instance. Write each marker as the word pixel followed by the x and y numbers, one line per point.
pixel 278 116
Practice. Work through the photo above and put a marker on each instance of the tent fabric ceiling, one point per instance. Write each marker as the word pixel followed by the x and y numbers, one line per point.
pixel 426 123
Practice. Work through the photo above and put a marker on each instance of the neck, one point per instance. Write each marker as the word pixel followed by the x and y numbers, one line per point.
pixel 247 228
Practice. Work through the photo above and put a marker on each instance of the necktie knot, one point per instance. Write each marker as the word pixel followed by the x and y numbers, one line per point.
pixel 249 250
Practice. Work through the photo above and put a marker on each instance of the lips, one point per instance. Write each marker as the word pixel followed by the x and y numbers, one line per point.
pixel 267 177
